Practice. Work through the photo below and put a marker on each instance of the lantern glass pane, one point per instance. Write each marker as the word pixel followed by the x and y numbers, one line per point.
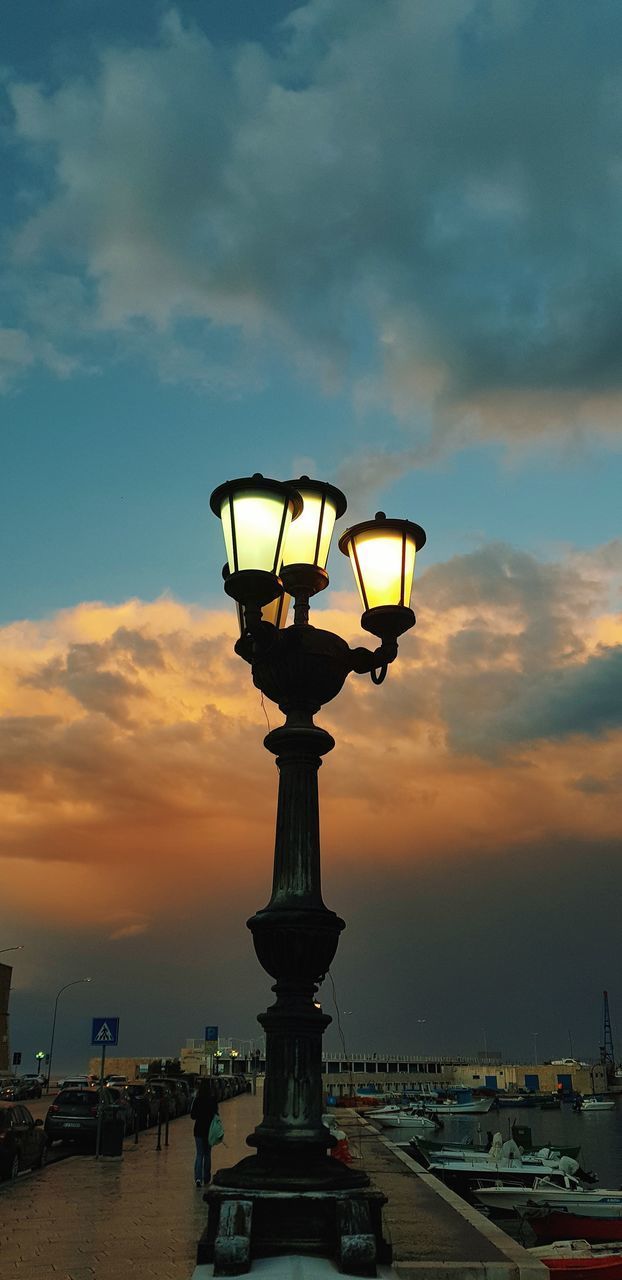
pixel 379 553
pixel 302 539
pixel 276 612
pixel 258 517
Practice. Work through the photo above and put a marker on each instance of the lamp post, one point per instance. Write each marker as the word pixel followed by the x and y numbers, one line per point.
pixel 75 983
pixel 19 948
pixel 277 537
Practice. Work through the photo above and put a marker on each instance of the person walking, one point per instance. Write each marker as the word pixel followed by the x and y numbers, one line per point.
pixel 204 1108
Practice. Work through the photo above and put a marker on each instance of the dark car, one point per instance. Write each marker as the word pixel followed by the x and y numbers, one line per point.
pixel 23 1143
pixel 122 1104
pixel 13 1090
pixel 146 1104
pixel 72 1116
pixel 31 1086
pixel 181 1092
pixel 167 1099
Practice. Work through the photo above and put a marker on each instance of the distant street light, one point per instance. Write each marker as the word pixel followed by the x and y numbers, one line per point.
pixel 535 1048
pixel 75 983
pixel 19 948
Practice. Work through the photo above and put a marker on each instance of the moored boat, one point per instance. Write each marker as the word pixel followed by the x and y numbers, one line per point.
pixel 547 1193
pixel 431 1147
pixel 580 1259
pixel 594 1103
pixel 406 1118
pixel 515 1100
pixel 476 1107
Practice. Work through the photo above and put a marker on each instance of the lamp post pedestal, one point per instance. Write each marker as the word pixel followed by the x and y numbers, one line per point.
pixel 291 1196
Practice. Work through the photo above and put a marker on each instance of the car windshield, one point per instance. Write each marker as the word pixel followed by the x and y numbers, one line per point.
pixel 77 1097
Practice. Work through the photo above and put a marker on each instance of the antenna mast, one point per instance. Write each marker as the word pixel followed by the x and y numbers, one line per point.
pixel 606 1049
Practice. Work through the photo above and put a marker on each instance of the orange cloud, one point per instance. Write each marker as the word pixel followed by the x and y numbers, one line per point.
pixel 133 779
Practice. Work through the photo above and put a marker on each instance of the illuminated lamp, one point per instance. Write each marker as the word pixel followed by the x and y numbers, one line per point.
pixel 256 514
pixel 308 540
pixel 382 554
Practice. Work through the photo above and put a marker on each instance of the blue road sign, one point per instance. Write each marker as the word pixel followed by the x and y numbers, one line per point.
pixel 211 1033
pixel 105 1031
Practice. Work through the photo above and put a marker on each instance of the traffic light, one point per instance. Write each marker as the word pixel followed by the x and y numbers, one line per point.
pixel 17 1057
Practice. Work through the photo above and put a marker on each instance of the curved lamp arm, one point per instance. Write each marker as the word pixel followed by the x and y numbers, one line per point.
pixel 376 661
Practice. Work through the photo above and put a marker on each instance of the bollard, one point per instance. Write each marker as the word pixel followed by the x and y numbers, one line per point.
pixel 166 1129
pixel 159 1142
pixel 136 1130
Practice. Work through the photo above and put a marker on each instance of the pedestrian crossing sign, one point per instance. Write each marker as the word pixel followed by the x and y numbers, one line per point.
pixel 105 1031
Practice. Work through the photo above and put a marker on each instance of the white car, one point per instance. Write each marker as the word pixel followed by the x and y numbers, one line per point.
pixel 74 1082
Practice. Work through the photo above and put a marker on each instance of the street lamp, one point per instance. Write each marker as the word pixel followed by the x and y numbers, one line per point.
pixel 19 948
pixel 277 536
pixel 75 983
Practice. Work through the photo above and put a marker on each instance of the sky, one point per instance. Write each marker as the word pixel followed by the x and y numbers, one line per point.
pixel 379 243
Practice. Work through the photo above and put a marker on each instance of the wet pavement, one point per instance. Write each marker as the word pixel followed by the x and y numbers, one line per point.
pixel 128 1219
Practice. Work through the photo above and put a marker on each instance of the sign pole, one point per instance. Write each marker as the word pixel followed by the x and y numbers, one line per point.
pixel 100 1108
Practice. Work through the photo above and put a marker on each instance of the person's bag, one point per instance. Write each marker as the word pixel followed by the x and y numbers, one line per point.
pixel 216 1131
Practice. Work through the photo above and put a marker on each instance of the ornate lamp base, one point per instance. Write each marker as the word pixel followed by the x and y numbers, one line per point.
pixel 246 1224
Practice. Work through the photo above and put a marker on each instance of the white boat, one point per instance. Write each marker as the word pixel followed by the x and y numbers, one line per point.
pixel 404 1119
pixel 594 1103
pixel 571 1197
pixel 478 1107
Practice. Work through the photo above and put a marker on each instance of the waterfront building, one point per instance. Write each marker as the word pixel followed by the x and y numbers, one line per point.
pixel 344 1074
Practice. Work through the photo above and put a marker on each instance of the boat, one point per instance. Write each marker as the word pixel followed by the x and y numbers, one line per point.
pixel 477 1107
pixel 467 1146
pixel 515 1100
pixel 580 1259
pixel 595 1103
pixel 547 1193
pixel 551 1226
pixel 435 1151
pixel 405 1118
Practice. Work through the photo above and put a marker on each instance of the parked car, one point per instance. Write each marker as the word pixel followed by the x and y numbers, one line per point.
pixel 146 1104
pixel 23 1143
pixel 74 1082
pixel 13 1090
pixel 31 1087
pixel 181 1092
pixel 115 1080
pixel 73 1114
pixel 122 1102
pixel 35 1079
pixel 167 1100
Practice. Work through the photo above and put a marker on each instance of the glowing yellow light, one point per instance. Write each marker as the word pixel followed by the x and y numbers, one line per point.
pixel 308 539
pixel 383 561
pixel 258 522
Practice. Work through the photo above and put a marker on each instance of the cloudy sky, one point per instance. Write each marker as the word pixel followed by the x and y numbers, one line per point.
pixel 378 241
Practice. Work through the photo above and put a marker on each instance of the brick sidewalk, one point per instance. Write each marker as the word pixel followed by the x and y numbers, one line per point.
pixel 133 1219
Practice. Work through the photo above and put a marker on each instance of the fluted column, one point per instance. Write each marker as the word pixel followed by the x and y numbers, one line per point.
pixel 295 938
